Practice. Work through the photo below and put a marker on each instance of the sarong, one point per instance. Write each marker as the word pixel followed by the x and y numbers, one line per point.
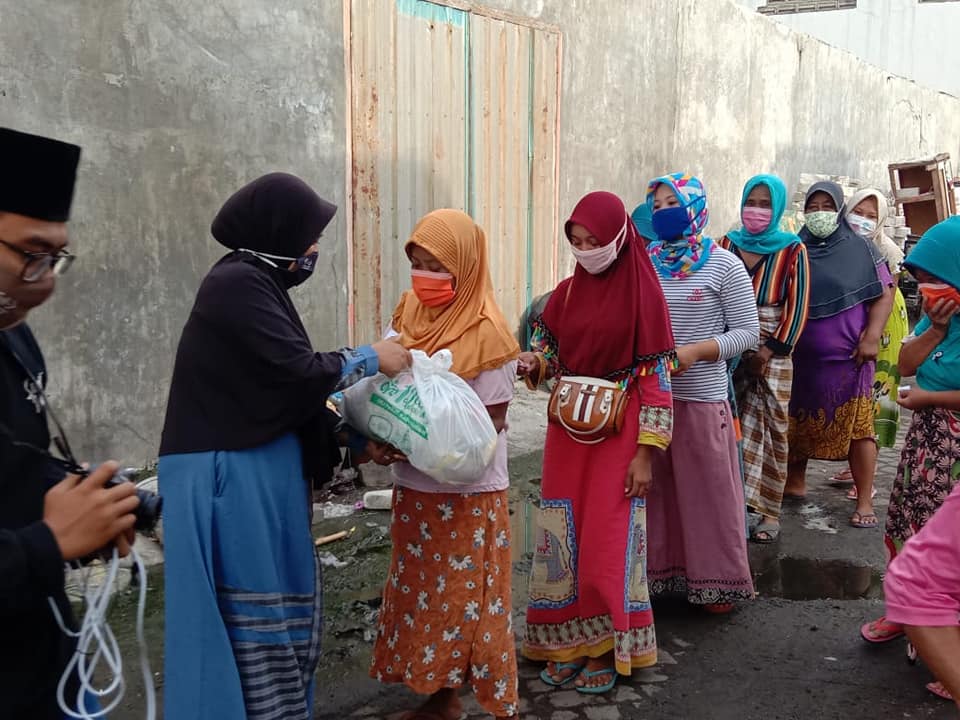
pixel 695 510
pixel 243 602
pixel 588 586
pixel 446 619
pixel 765 421
pixel 831 403
pixel 929 469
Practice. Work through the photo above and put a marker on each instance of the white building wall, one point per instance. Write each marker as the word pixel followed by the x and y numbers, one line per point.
pixel 917 40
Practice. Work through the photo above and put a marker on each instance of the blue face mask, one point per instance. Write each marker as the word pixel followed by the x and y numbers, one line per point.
pixel 671 223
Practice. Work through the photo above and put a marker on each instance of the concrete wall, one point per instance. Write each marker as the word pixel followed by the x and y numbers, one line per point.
pixel 906 37
pixel 178 102
pixel 711 87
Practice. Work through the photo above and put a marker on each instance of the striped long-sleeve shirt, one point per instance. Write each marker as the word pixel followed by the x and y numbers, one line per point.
pixel 782 279
pixel 716 302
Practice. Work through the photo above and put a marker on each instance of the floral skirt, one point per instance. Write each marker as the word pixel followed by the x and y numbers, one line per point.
pixel 446 616
pixel 929 469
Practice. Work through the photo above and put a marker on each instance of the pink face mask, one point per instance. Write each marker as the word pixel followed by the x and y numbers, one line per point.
pixel 756 219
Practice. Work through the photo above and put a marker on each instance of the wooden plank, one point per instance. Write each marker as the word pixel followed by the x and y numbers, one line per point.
pixel 924 197
pixel 894 184
pixel 940 157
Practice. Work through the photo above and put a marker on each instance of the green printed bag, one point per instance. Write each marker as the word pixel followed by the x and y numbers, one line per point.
pixel 430 414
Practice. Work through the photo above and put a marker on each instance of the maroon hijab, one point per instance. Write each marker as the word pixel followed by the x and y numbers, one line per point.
pixel 615 323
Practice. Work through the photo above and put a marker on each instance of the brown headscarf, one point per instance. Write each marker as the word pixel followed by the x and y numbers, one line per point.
pixel 472 327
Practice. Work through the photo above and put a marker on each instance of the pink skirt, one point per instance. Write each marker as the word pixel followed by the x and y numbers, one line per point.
pixel 695 510
pixel 922 585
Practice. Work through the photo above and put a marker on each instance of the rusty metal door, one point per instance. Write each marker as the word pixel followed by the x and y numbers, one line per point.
pixel 450 107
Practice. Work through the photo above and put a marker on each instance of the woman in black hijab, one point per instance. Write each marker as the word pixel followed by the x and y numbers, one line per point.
pixel 834 361
pixel 246 434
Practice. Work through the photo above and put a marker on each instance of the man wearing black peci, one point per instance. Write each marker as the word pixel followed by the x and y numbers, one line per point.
pixel 46 516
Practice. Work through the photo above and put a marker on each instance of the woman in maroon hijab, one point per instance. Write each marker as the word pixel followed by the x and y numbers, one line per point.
pixel 589 610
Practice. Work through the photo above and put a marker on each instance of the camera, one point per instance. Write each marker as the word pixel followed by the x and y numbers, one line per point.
pixel 151 504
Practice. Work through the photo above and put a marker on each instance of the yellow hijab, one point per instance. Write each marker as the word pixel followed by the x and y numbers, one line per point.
pixel 472 327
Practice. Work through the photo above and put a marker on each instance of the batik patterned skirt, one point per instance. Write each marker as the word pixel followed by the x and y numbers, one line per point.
pixel 929 469
pixel 831 402
pixel 446 620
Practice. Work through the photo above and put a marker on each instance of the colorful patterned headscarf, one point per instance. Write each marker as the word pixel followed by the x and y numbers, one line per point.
pixel 683 256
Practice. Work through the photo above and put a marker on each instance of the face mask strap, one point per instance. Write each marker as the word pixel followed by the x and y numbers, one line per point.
pixel 694 201
pixel 268 259
pixel 432 275
pixel 621 236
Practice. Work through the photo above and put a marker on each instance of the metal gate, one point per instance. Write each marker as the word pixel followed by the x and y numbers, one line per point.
pixel 449 107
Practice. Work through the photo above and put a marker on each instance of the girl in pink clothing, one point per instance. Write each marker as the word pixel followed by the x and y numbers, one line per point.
pixel 928 465
pixel 923 594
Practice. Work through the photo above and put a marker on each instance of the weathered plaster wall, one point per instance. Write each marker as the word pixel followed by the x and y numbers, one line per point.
pixel 711 87
pixel 178 102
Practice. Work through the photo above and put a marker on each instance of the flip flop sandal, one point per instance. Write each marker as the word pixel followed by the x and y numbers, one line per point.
pixel 771 531
pixel 881 631
pixel 843 477
pixel 854 495
pixel 599 689
pixel 719 608
pixel 548 678
pixel 939 690
pixel 859 520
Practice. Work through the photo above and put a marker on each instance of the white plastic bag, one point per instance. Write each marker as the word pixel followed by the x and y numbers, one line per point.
pixel 429 414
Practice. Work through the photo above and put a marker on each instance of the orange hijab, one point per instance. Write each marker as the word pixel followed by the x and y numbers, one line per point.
pixel 472 327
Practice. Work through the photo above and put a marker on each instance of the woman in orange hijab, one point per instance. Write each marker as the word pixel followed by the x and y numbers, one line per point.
pixel 446 620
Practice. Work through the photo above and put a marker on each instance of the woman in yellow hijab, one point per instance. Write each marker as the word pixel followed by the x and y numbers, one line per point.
pixel 446 620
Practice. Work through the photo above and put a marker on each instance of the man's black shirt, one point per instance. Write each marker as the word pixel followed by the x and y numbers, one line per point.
pixel 33 649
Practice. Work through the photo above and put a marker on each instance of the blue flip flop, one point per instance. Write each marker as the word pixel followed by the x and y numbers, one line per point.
pixel 599 689
pixel 548 679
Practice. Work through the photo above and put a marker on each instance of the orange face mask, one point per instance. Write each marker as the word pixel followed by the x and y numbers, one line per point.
pixel 433 289
pixel 938 291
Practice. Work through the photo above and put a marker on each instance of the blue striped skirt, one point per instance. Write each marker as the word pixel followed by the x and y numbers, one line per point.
pixel 243 603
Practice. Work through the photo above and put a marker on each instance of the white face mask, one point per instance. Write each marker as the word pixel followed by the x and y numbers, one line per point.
pixel 864 227
pixel 597 260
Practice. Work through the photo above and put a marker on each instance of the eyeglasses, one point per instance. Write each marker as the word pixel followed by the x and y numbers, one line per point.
pixel 38 263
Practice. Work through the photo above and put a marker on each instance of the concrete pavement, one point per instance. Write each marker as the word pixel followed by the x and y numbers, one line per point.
pixel 793 653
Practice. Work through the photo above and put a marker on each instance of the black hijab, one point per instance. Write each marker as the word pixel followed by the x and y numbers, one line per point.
pixel 843 266
pixel 245 372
